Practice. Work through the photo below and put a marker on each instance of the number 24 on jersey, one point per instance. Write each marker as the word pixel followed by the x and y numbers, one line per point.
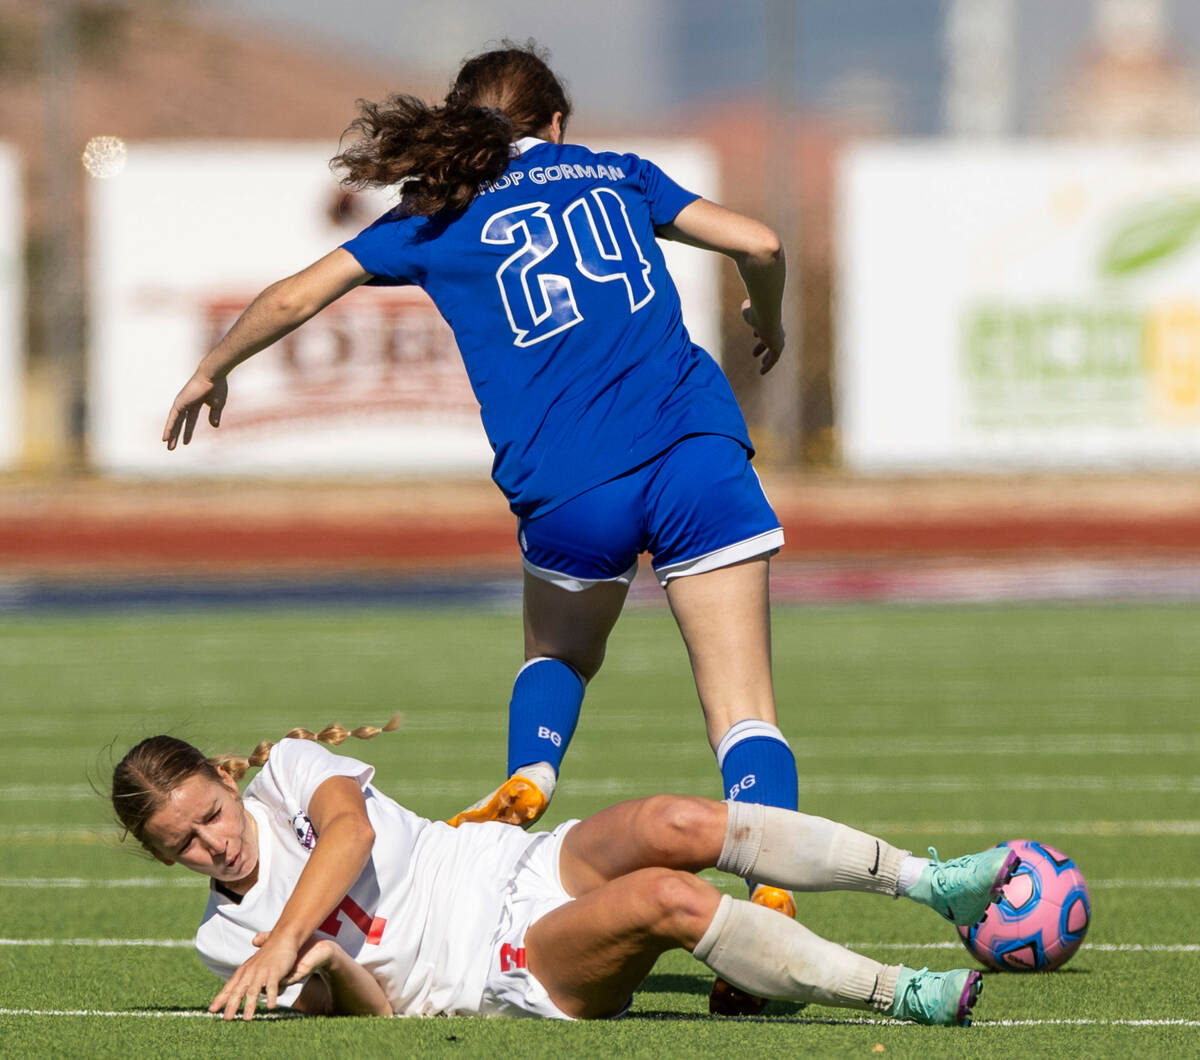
pixel 541 303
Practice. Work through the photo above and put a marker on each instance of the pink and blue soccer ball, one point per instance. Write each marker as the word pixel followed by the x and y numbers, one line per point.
pixel 1041 917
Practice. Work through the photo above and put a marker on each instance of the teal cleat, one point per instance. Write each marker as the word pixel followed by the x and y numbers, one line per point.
pixel 962 889
pixel 936 999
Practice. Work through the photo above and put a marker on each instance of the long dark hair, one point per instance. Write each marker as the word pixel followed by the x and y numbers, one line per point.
pixel 444 153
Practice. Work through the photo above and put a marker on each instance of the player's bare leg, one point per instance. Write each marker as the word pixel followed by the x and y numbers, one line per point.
pixel 571 626
pixel 724 616
pixel 592 953
pixel 565 638
pixel 661 831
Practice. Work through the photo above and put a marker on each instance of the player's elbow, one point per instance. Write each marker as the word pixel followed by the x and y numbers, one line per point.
pixel 287 301
pixel 352 829
pixel 362 832
pixel 763 250
pixel 359 837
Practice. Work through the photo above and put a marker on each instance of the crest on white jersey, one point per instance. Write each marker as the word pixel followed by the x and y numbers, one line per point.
pixel 304 830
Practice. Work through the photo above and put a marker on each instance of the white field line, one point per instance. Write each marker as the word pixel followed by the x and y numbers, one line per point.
pixel 1084 1023
pixel 1099 947
pixel 199 1014
pixel 809 785
pixel 102 943
pixel 1054 744
pixel 1164 884
pixel 953 785
pixel 139 1013
pixel 1021 828
pixel 67 833
pixel 1088 947
pixel 1014 828
pixel 862 1021
pixel 42 883
pixel 46 792
pixel 734 886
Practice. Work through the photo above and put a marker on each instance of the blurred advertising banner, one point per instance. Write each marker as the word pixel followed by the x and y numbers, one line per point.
pixel 181 241
pixel 12 351
pixel 1019 306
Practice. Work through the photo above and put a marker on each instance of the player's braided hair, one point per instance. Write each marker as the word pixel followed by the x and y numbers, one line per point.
pixel 149 772
pixel 444 153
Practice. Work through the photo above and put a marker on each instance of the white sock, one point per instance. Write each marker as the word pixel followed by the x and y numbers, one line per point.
pixel 769 956
pixel 543 774
pixel 805 853
pixel 910 871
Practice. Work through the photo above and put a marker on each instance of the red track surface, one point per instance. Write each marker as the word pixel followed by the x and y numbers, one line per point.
pixel 184 542
pixel 99 526
pixel 49 542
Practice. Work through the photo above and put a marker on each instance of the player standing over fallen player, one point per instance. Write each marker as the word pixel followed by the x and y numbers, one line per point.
pixel 613 433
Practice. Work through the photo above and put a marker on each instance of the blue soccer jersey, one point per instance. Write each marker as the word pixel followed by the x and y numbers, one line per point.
pixel 566 317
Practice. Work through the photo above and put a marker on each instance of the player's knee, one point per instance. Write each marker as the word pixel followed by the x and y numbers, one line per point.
pixel 683 830
pixel 682 905
pixel 589 662
pixel 584 660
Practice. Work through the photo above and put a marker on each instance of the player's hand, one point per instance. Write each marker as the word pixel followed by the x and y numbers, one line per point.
pixel 770 344
pixel 262 973
pixel 199 391
pixel 315 954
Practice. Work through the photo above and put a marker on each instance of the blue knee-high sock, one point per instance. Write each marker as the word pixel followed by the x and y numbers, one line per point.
pixel 757 765
pixel 542 714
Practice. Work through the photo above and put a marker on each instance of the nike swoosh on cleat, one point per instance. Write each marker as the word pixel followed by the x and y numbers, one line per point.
pixel 874 869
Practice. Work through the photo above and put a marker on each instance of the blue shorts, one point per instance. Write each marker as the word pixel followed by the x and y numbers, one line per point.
pixel 697 507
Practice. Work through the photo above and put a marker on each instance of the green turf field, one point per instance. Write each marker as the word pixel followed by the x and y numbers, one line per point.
pixel 956 727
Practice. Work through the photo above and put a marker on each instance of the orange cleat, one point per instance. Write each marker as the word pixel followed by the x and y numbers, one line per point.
pixel 520 800
pixel 775 898
pixel 725 998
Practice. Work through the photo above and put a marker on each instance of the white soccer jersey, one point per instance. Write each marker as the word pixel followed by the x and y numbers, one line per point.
pixel 424 915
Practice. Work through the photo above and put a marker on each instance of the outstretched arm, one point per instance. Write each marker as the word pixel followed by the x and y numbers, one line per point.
pixel 277 310
pixel 756 251
pixel 338 985
pixel 339 815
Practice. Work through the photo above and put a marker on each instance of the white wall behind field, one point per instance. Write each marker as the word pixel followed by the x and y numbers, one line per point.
pixel 1019 306
pixel 12 345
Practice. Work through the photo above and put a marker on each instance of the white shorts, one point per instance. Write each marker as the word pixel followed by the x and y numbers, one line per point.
pixel 534 890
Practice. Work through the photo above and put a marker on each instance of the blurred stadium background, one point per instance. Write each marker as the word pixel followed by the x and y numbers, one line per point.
pixel 992 216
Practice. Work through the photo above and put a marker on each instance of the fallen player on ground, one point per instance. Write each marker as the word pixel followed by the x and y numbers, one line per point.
pixel 329 897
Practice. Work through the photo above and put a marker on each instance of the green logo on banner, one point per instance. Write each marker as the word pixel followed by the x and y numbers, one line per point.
pixel 1150 234
pixel 1051 365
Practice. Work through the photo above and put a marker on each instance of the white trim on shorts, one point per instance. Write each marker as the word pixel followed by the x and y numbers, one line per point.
pixel 765 544
pixel 573 584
